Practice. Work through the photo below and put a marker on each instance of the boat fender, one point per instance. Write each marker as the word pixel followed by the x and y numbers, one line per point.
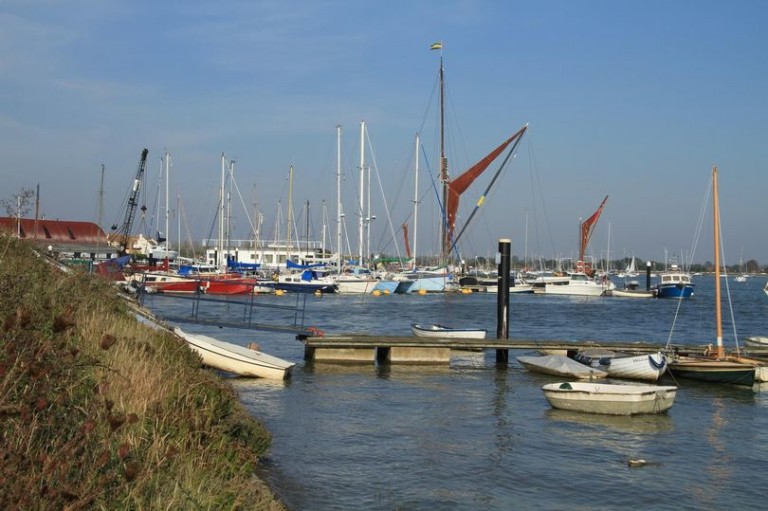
pixel 637 462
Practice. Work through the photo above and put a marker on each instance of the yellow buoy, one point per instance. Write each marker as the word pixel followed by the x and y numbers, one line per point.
pixel 376 292
pixel 318 292
pixel 466 291
pixel 422 291
pixel 279 292
pixel 386 291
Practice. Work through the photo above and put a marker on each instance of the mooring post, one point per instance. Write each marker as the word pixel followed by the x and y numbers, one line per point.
pixel 502 303
pixel 648 276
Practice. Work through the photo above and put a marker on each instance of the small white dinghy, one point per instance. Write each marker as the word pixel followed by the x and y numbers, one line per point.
pixel 610 399
pixel 560 365
pixel 446 332
pixel 236 359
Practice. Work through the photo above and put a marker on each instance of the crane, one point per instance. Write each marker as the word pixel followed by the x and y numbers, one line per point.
pixel 133 201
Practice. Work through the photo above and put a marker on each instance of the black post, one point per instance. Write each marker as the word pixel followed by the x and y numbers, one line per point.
pixel 648 276
pixel 502 307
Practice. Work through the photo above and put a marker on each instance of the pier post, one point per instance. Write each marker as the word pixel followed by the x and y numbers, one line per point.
pixel 502 303
pixel 648 276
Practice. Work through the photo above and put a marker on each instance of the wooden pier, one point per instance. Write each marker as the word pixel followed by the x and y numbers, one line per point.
pixel 423 350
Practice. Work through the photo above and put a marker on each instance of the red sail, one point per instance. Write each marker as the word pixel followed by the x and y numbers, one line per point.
pixel 461 183
pixel 587 227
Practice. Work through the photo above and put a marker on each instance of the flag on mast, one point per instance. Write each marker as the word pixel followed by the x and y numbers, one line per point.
pixel 436 46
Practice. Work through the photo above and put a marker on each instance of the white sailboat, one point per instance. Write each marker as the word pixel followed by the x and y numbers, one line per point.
pixel 715 366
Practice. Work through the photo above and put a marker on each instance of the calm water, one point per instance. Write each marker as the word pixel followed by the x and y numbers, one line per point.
pixel 477 436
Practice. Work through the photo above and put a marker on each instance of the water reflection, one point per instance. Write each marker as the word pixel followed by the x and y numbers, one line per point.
pixel 646 424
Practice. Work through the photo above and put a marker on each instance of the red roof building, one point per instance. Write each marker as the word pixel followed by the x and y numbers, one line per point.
pixel 61 235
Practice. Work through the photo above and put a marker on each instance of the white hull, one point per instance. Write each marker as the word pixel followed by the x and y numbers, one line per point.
pixel 610 399
pixel 578 284
pixel 632 293
pixel 636 367
pixel 443 332
pixel 236 359
pixel 758 341
pixel 560 365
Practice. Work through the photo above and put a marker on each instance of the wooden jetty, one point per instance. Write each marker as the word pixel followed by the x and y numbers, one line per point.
pixel 366 348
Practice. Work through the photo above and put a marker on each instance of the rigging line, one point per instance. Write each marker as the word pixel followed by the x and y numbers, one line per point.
pixel 242 203
pixel 381 191
pixel 433 181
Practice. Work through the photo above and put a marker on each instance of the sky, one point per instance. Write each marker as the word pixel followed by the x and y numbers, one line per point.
pixel 633 100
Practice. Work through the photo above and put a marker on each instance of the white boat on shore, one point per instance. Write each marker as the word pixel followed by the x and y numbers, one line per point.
pixel 236 359
pixel 610 399
pixel 445 332
pixel 560 365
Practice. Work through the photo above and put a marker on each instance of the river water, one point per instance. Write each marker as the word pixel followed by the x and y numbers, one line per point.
pixel 474 435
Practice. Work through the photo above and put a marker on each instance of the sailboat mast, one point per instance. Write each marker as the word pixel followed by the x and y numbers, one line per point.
pixel 167 200
pixel 362 191
pixel 718 311
pixel 338 195
pixel 289 234
pixel 221 211
pixel 443 160
pixel 416 203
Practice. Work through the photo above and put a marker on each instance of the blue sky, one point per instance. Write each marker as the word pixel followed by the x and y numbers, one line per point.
pixel 635 100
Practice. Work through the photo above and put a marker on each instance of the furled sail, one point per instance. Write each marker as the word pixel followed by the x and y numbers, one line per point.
pixel 587 227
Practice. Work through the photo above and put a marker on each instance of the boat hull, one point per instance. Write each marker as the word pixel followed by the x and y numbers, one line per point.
pixel 444 332
pixel 560 365
pixel 714 371
pixel 610 399
pixel 635 367
pixel 674 290
pixel 236 359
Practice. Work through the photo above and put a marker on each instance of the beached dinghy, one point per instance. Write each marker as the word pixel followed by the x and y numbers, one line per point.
pixel 236 359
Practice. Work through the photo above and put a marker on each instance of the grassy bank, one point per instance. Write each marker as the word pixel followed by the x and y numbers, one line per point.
pixel 98 411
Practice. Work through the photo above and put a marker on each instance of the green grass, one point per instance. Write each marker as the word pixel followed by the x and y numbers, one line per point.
pixel 98 411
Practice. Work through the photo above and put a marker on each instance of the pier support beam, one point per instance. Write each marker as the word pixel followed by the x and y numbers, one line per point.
pixel 341 355
pixel 502 306
pixel 411 355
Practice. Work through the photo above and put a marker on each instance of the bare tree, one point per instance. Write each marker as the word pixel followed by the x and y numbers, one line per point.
pixel 18 205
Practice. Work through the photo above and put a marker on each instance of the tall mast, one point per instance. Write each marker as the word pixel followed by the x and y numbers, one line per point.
pixel 718 312
pixel 220 260
pixel 167 199
pixel 338 195
pixel 290 214
pixel 416 202
pixel 362 191
pixel 100 211
pixel 443 160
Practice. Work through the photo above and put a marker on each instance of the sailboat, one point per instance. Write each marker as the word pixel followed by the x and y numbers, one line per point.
pixel 714 366
pixel 435 279
pixel 581 282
